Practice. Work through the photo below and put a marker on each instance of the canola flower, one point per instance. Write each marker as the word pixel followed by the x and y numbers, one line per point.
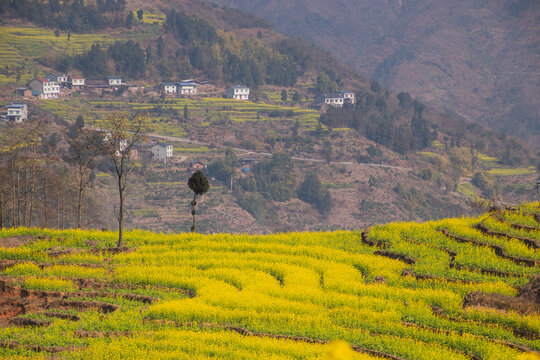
pixel 325 286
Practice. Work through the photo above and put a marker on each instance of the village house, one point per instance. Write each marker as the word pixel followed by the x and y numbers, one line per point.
pixel 323 101
pixel 61 79
pixel 77 82
pixel 237 92
pixel 96 84
pixel 196 165
pixel 169 88
pixel 23 92
pixel 114 80
pixel 45 89
pixel 187 87
pixel 162 151
pixel 17 113
pixel 249 164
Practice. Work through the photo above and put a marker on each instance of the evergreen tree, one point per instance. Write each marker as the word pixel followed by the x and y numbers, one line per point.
pixel 198 183
pixel 311 191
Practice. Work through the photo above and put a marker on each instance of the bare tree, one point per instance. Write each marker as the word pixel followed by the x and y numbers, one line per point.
pixel 122 132
pixel 84 149
pixel 12 144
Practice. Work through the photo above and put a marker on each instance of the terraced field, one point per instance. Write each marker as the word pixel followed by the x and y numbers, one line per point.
pixel 20 45
pixel 448 289
pixel 212 108
pixel 207 108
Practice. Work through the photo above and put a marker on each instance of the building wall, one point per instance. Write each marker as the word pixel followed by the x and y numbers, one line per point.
pixel 188 90
pixel 162 153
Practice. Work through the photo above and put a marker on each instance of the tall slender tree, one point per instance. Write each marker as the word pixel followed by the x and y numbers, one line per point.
pixel 122 132
pixel 198 183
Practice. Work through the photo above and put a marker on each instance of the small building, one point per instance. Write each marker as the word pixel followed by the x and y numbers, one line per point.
pixel 23 92
pixel 114 80
pixel 348 96
pixel 169 88
pixel 246 161
pixel 61 79
pixel 196 165
pixel 187 87
pixel 17 113
pixel 135 153
pixel 77 82
pixel 45 89
pixel 237 92
pixel 162 151
pixel 249 164
pixel 335 100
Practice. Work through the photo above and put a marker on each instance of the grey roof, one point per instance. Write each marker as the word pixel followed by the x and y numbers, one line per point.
pixel 114 78
pixel 163 144
pixel 17 105
pixel 238 87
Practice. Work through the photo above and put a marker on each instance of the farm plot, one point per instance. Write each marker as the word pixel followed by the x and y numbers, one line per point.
pixel 399 291
pixel 21 45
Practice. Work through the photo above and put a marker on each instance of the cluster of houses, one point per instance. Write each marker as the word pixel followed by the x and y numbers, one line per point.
pixel 189 87
pixel 50 87
pixel 185 87
pixel 324 101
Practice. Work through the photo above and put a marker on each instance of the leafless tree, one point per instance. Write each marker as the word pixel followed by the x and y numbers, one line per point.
pixel 122 132
pixel 84 149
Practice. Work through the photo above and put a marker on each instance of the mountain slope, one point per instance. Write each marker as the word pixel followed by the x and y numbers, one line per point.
pixel 477 59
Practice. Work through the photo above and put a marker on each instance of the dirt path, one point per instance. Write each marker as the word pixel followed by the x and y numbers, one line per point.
pixel 296 158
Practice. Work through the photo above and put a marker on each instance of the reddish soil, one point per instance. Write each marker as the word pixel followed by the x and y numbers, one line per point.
pixel 16 301
pixel 17 241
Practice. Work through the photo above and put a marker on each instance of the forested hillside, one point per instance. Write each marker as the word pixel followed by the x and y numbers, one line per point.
pixel 475 59
pixel 386 157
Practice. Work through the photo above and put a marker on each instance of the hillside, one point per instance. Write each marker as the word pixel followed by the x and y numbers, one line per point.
pixel 452 289
pixel 475 59
pixel 387 158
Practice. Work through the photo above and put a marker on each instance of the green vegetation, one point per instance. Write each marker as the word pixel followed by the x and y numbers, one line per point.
pixel 312 191
pixel 403 289
pixel 512 172
pixel 372 116
pixel 164 115
pixel 467 189
pixel 70 15
pixel 198 183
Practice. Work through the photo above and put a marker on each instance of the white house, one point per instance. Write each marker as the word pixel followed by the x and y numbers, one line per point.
pixel 348 96
pixel 17 112
pixel 238 92
pixel 162 151
pixel 114 80
pixel 169 88
pixel 335 100
pixel 45 89
pixel 187 88
pixel 77 82
pixel 61 79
